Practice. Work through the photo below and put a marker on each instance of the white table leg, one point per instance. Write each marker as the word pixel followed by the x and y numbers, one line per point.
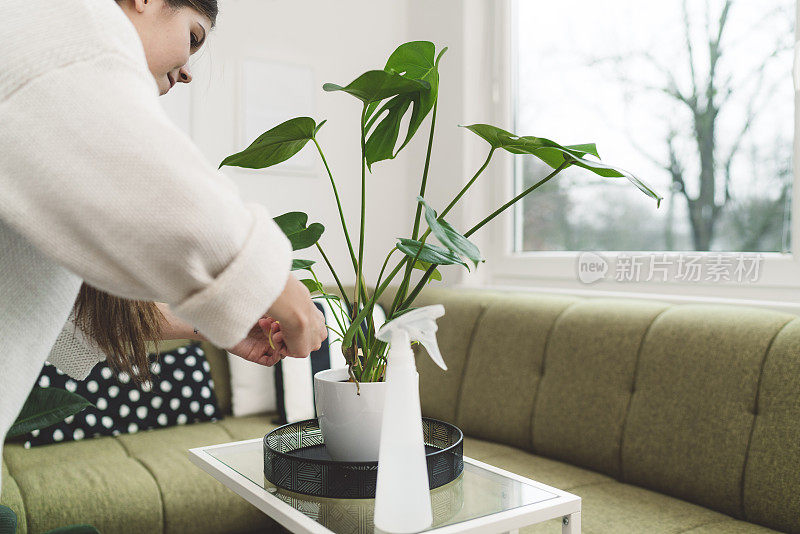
pixel 571 524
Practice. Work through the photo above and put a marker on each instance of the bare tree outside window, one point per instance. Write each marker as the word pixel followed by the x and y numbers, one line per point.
pixel 693 96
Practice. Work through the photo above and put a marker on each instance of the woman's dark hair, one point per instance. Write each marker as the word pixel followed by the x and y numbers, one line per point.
pixel 121 328
pixel 209 8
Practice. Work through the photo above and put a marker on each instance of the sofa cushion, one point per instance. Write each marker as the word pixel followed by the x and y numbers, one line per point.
pixel 614 508
pixel 439 390
pixel 140 482
pixel 504 366
pixel 192 500
pixel 608 507
pixel 551 472
pixel 587 381
pixel 691 412
pixel 113 492
pixel 11 497
pixel 771 482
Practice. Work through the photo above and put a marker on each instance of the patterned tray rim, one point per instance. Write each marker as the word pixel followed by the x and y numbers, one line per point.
pixel 290 457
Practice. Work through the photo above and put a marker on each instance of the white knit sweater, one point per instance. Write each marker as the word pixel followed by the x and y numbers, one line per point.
pixel 97 184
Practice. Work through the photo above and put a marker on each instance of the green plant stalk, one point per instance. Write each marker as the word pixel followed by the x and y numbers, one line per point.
pixel 359 267
pixel 418 216
pixel 478 226
pixel 517 198
pixel 338 204
pixel 344 225
pixel 333 272
pixel 402 292
pixel 369 362
pixel 382 287
pixel 378 292
pixel 469 184
pixel 385 263
pixel 338 320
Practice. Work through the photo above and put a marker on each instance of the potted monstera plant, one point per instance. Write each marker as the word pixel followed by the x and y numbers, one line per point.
pixel 406 86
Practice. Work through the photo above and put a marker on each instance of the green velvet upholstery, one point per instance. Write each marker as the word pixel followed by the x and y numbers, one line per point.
pixel 11 497
pixel 664 419
pixel 505 358
pixel 771 493
pixel 692 410
pixel 587 381
pixel 140 482
pixel 439 390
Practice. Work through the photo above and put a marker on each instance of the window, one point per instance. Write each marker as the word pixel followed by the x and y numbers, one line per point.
pixel 694 97
pixel 635 78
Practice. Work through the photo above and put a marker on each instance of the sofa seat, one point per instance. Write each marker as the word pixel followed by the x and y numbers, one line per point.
pixel 608 506
pixel 145 482
pixel 141 482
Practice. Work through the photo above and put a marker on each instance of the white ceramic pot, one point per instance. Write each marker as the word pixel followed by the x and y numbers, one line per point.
pixel 350 423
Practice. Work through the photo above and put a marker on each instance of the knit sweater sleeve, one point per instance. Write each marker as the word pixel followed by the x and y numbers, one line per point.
pixel 97 177
pixel 73 353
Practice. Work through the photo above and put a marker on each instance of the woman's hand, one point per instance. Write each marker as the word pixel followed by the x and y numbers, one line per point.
pixel 256 347
pixel 302 325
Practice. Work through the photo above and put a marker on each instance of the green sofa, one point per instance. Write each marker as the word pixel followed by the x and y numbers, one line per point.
pixel 663 418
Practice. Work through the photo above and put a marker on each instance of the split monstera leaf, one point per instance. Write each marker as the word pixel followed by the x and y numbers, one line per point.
pixel 404 92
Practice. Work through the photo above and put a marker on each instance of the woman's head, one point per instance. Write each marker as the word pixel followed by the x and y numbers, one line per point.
pixel 171 31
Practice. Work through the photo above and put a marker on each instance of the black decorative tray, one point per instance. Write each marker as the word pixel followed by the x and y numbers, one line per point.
pixel 295 459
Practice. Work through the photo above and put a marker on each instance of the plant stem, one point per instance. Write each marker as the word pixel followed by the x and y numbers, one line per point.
pixel 333 272
pixel 511 202
pixel 475 228
pixel 401 292
pixel 344 229
pixel 338 204
pixel 399 299
pixel 378 292
pixel 469 184
pixel 359 267
pixel 385 262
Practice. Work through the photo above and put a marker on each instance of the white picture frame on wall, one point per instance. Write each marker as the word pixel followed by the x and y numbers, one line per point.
pixel 273 92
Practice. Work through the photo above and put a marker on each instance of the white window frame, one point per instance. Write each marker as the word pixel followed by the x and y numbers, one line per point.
pixel 778 286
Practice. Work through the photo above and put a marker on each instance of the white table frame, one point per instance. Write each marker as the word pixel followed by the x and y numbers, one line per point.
pixel 565 505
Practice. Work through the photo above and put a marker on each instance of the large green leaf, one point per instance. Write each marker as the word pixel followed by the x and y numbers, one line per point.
pixel 276 145
pixel 449 237
pixel 312 285
pixel 430 253
pixel 554 154
pixel 45 407
pixel 415 60
pixel 299 265
pixel 8 520
pixel 424 266
pixel 293 224
pixel 376 85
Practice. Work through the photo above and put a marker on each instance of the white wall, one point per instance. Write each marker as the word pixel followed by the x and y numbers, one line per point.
pixel 465 97
pixel 338 41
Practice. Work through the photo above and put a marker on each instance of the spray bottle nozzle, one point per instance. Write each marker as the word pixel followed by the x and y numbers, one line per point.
pixel 419 325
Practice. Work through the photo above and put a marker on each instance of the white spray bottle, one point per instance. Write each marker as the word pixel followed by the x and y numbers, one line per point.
pixel 402 495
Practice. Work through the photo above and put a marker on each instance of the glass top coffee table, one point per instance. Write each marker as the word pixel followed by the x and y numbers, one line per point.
pixel 484 499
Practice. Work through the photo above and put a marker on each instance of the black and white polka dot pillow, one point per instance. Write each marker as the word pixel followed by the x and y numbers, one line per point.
pixel 181 392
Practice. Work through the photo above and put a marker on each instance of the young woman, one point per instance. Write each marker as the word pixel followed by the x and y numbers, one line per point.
pixel 104 201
